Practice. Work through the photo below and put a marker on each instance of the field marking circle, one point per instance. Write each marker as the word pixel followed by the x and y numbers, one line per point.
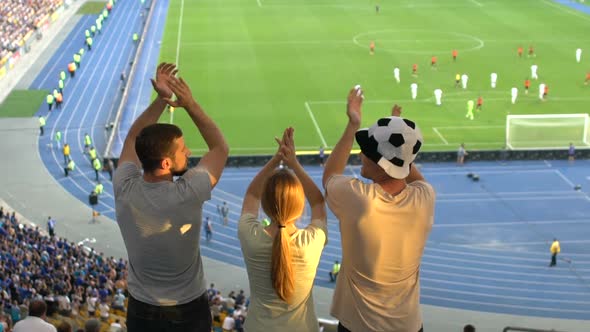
pixel 480 43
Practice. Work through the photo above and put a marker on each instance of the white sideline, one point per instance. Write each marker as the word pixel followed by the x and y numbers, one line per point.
pixel 440 135
pixel 315 123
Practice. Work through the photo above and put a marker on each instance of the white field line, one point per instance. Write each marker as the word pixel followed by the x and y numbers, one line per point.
pixel 477 3
pixel 561 175
pixel 179 32
pixel 440 135
pixel 259 3
pixel 570 183
pixel 315 123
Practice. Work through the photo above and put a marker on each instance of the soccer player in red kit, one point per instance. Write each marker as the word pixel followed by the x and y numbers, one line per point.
pixel 433 62
pixel 587 78
pixel 520 50
pixel 531 51
pixel 455 53
pixel 415 69
pixel 372 47
pixel 479 103
pixel 527 85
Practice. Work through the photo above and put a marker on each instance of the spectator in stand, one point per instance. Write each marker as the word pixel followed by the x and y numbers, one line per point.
pixel 92 325
pixel 36 319
pixel 167 290
pixel 28 252
pixel 104 311
pixel 381 293
pixel 19 18
pixel 64 327
pixel 116 326
pixel 229 323
pixel 119 300
pixel 281 259
pixel 469 328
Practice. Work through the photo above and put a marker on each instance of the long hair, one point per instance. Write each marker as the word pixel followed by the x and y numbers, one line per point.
pixel 283 201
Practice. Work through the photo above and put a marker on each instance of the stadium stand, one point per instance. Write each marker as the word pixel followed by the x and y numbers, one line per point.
pixel 18 21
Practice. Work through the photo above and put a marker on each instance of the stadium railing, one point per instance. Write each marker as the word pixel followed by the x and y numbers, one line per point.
pixel 524 329
pixel 128 82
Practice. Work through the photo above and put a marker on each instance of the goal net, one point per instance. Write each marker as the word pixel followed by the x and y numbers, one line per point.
pixel 547 131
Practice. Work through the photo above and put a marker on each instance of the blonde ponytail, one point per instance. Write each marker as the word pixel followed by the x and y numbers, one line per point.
pixel 281 270
pixel 283 201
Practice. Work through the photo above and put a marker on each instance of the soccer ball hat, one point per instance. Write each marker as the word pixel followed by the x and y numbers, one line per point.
pixel 392 143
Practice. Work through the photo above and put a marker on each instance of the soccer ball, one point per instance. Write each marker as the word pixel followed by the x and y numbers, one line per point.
pixel 398 140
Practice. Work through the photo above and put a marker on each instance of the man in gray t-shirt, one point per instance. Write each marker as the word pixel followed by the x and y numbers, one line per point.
pixel 160 218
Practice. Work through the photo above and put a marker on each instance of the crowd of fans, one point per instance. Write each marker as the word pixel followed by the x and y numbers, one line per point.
pixel 19 17
pixel 82 290
pixel 70 278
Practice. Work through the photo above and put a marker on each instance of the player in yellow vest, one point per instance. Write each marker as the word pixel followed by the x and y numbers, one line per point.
pixel 97 166
pixel 41 125
pixel 99 188
pixel 555 249
pixel 335 271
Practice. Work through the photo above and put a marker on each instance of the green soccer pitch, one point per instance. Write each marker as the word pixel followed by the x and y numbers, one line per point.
pixel 258 66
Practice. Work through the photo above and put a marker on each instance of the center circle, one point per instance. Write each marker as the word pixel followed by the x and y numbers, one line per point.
pixel 413 41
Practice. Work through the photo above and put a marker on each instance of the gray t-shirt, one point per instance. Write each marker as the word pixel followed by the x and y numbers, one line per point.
pixel 161 226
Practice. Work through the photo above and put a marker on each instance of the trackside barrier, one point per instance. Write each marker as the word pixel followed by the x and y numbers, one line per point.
pixel 524 329
pixel 128 82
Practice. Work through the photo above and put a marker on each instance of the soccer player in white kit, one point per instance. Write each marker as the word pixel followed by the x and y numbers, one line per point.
pixel 464 79
pixel 396 74
pixel 541 90
pixel 414 89
pixel 534 72
pixel 578 55
pixel 493 79
pixel 438 96
pixel 514 94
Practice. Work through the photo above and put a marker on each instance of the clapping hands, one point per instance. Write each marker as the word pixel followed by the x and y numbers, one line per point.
pixel 286 150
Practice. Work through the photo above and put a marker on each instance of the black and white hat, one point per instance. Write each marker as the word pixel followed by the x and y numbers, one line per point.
pixel 392 143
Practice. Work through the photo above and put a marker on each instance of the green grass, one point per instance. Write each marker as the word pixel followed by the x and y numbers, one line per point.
pixel 92 8
pixel 254 68
pixel 22 103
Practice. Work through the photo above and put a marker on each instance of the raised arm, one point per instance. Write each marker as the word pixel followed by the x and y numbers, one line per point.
pixel 251 203
pixel 312 192
pixel 214 160
pixel 415 174
pixel 151 115
pixel 339 157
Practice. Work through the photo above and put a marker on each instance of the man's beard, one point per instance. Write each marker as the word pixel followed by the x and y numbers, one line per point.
pixel 179 172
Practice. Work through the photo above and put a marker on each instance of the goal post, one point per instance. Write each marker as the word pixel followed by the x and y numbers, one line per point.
pixel 547 131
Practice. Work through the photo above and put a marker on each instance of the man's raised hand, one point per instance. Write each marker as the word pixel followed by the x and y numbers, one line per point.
pixel 161 84
pixel 184 96
pixel 396 110
pixel 354 105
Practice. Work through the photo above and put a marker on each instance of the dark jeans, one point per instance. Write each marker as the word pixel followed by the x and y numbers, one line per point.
pixel 194 316
pixel 344 329
pixel 553 260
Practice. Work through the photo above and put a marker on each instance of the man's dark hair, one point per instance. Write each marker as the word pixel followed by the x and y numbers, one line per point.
pixel 154 143
pixel 469 328
pixel 37 308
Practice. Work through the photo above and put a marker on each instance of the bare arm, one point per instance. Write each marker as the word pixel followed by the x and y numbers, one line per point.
pixel 214 160
pixel 312 192
pixel 251 203
pixel 151 114
pixel 339 157
pixel 415 174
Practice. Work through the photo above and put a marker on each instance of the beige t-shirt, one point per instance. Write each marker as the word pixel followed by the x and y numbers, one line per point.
pixel 267 312
pixel 383 238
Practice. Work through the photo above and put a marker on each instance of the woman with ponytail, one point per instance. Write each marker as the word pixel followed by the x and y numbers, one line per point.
pixel 282 259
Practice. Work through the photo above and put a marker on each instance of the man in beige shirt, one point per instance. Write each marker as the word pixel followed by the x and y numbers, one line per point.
pixel 384 224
